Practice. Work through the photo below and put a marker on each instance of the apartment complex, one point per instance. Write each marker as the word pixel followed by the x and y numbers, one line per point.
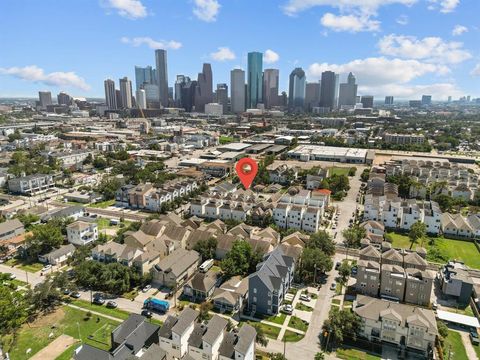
pixel 403 138
pixel 455 282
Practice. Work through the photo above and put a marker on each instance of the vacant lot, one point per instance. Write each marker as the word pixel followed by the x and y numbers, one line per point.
pixel 442 249
pixel 75 323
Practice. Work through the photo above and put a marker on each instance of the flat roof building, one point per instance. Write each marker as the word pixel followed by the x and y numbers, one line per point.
pixel 328 153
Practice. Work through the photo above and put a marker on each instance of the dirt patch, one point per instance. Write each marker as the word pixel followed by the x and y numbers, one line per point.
pixel 49 319
pixel 55 348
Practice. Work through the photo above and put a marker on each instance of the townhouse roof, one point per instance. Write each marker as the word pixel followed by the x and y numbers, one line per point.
pixel 61 251
pixel 10 225
pixel 374 309
pixel 203 281
pixel 80 225
pixel 184 320
pixel 215 327
pixel 178 261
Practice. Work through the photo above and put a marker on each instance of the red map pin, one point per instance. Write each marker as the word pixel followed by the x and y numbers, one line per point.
pixel 247 169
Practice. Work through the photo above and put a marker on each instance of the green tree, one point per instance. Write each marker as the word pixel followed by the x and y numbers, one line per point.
pixel 319 356
pixel 108 186
pixel 313 260
pixel 99 163
pixel 206 248
pixel 240 260
pixel 13 309
pixel 344 272
pixel 323 241
pixel 205 309
pixel 418 231
pixel 261 338
pixel 353 235
pixel 277 356
pixel 28 219
pixel 341 324
pixel 44 238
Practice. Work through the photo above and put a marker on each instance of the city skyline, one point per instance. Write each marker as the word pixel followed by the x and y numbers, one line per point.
pixel 404 51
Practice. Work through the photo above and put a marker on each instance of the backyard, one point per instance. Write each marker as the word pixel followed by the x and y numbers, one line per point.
pixel 453 343
pixel 338 171
pixel 354 354
pixel 35 336
pixel 442 250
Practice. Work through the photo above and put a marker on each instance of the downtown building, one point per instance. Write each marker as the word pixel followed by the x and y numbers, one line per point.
pixel 296 90
pixel 255 80
pixel 237 89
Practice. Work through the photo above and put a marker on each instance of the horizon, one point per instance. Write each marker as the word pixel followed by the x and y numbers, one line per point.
pixel 404 48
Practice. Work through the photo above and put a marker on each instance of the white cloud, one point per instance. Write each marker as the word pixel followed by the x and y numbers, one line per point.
pixel 206 10
pixel 132 9
pixel 35 74
pixel 151 43
pixel 459 30
pixel 476 70
pixel 378 71
pixel 223 54
pixel 351 23
pixel 270 57
pixel 402 20
pixel 431 49
pixel 445 6
pixel 293 7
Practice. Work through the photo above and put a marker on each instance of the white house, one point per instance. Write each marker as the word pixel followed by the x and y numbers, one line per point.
pixel 82 233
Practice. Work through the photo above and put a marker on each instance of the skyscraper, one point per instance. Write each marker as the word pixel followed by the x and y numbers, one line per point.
pixel 327 93
pixel 296 90
pixel 64 99
pixel 270 87
pixel 204 90
pixel 126 93
pixel 388 100
pixel 222 96
pixel 367 101
pixel 255 79
pixel 426 100
pixel 151 95
pixel 162 76
pixel 337 90
pixel 237 90
pixel 181 80
pixel 110 95
pixel 143 75
pixel 348 92
pixel 45 99
pixel 141 98
pixel 312 95
pixel 188 95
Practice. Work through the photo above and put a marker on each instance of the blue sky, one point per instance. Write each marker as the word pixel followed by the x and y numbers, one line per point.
pixel 403 48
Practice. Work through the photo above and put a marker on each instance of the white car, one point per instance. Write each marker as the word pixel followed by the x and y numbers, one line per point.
pixel 47 267
pixel 305 297
pixel 146 288
pixel 288 309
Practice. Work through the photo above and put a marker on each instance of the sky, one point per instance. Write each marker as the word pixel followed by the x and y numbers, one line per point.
pixel 403 48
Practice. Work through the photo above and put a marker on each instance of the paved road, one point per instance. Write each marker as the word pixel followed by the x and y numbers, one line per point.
pixel 348 206
pixel 22 275
pixel 118 213
pixel 472 355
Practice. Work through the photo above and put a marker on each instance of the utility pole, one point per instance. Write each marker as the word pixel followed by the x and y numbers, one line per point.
pixel 315 274
pixel 26 274
pixel 449 351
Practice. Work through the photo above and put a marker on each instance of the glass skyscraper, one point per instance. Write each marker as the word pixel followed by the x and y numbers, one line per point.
pixel 296 93
pixel 255 79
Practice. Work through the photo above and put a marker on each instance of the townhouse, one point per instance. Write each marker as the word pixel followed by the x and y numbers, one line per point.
pixel 459 226
pixel 402 214
pixel 282 174
pixel 31 184
pixel 175 269
pixel 268 285
pixel 394 274
pixel 148 197
pixel 404 326
pixel 456 282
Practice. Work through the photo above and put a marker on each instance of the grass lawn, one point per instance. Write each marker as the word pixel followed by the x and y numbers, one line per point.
pixel 32 267
pixel 65 320
pixel 477 350
pixel 338 171
pixel 338 289
pixel 347 304
pixel 447 249
pixel 102 204
pixel 120 314
pixel 290 336
pixel 277 319
pixel 336 301
pixel 225 139
pixel 354 354
pixel 303 307
pixel 293 291
pixel 269 330
pixel 454 339
pixel 131 295
pixel 298 323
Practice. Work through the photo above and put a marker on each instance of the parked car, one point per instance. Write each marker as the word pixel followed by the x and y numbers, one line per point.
pixel 354 270
pixel 474 337
pixel 47 267
pixel 333 286
pixel 146 288
pixel 305 297
pixel 112 304
pixel 288 309
pixel 337 265
pixel 147 313
pixel 98 300
pixel 66 292
pixel 12 276
pixel 75 295
pixel 434 305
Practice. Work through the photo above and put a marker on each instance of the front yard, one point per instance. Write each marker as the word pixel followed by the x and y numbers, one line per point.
pixel 32 267
pixel 355 354
pixel 445 249
pixel 298 323
pixel 291 336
